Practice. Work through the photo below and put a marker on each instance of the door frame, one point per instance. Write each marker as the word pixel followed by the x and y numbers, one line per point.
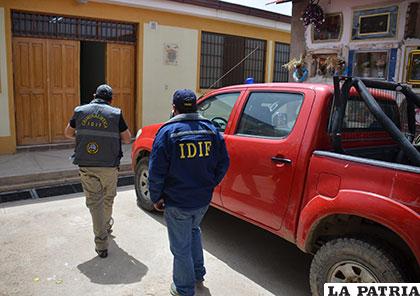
pixel 131 37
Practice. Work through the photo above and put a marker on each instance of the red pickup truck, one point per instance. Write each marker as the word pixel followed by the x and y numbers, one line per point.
pixel 333 169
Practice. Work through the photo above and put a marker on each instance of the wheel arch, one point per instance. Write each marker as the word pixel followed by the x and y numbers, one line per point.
pixel 354 220
pixel 142 153
pixel 344 225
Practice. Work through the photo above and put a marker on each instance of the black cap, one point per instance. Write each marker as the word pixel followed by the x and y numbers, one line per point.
pixel 104 92
pixel 185 101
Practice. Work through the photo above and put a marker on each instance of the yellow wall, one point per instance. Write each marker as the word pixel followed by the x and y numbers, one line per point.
pixel 7 132
pixel 125 14
pixel 4 103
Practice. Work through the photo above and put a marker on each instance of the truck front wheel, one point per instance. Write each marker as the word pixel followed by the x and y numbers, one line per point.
pixel 141 183
pixel 350 260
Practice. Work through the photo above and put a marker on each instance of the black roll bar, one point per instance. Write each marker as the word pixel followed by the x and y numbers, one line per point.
pixel 410 95
pixel 386 122
pixel 341 96
pixel 405 89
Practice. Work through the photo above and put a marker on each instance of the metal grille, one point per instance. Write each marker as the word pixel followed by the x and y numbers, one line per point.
pixel 211 66
pixel 281 57
pixel 64 27
pixel 254 66
pixel 220 55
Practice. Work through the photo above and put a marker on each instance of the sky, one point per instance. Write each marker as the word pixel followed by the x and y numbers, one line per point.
pixel 285 8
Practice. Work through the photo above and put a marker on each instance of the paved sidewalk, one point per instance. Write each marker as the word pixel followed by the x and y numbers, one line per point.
pixel 28 169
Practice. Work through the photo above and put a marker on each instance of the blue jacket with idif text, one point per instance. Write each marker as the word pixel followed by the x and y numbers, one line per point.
pixel 188 160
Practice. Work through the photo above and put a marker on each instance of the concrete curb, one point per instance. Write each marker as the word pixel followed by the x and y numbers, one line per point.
pixel 62 177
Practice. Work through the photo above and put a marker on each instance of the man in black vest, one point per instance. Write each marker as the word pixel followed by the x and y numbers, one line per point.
pixel 99 130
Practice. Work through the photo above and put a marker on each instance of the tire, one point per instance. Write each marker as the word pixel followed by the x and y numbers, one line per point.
pixel 142 185
pixel 361 261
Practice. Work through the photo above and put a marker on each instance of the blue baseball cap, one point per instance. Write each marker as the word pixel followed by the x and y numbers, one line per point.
pixel 185 101
pixel 104 92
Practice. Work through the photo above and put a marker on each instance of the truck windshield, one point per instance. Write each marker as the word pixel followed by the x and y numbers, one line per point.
pixel 218 108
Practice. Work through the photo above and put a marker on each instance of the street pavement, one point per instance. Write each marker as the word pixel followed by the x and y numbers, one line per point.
pixel 46 248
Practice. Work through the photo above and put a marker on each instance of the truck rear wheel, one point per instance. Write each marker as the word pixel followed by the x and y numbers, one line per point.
pixel 349 260
pixel 142 184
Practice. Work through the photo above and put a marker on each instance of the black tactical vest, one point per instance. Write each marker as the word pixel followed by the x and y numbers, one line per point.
pixel 98 142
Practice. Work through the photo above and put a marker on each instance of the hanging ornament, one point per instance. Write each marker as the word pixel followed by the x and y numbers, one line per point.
pixel 335 65
pixel 313 14
pixel 300 74
pixel 298 69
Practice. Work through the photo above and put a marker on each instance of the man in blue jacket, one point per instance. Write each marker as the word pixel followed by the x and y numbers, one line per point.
pixel 188 160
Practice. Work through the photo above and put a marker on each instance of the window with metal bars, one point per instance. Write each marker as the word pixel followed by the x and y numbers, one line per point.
pixel 281 57
pixel 221 60
pixel 65 27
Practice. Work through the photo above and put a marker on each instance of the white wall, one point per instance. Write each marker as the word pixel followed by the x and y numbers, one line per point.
pixel 4 94
pixel 343 46
pixel 160 80
pixel 343 6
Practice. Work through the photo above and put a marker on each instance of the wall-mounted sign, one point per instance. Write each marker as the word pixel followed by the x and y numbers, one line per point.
pixel 170 51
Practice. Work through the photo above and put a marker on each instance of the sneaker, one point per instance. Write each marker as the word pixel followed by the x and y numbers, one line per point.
pixel 102 253
pixel 173 290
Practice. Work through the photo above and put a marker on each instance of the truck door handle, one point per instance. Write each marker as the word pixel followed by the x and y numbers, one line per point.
pixel 281 160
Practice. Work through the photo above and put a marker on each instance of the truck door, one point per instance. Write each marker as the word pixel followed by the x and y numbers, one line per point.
pixel 264 147
pixel 218 109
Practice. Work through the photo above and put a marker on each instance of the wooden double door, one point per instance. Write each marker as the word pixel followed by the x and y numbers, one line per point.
pixel 47 86
pixel 120 65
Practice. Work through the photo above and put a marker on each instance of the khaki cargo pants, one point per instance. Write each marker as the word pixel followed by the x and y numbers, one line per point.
pixel 100 187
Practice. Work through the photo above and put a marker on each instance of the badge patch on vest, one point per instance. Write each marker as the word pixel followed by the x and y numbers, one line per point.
pixel 193 150
pixel 92 148
pixel 95 120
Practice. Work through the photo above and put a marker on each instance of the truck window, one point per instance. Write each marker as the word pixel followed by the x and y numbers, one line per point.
pixel 218 108
pixel 362 134
pixel 358 118
pixel 270 114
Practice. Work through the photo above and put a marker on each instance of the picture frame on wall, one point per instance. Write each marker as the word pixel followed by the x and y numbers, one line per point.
pixel 330 30
pixel 371 64
pixel 413 71
pixel 375 23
